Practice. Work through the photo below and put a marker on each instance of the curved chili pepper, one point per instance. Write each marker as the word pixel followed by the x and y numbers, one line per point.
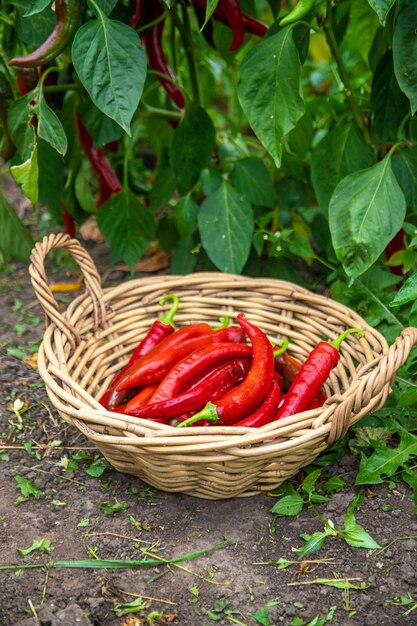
pixel 230 11
pixel 246 397
pixel 67 14
pixel 298 12
pixel 254 26
pixel 153 43
pixel 160 329
pixel 249 24
pixel 137 13
pixel 194 366
pixel 267 411
pixel 154 366
pixel 141 399
pixel 109 182
pixel 289 367
pixel 313 373
pixel 213 386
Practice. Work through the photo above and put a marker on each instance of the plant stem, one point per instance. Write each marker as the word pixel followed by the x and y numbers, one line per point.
pixel 62 87
pixel 184 28
pixel 331 40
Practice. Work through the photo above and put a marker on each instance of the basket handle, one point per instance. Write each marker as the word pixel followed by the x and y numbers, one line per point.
pixel 43 292
pixel 371 383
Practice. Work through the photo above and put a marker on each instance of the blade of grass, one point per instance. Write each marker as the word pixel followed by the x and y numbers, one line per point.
pixel 118 564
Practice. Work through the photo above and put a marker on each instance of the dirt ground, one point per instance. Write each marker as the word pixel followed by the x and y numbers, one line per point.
pixel 239 583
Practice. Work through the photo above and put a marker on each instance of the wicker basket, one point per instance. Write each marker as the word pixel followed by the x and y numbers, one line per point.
pixel 84 346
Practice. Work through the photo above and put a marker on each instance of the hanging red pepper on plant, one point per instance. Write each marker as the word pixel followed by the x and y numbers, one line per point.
pixel 152 37
pixel 137 13
pixel 161 328
pixel 108 180
pixel 248 396
pixel 67 14
pixel 313 373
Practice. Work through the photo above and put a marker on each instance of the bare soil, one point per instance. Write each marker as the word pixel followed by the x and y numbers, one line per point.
pixel 233 585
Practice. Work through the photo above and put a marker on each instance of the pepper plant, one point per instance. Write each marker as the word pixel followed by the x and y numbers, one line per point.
pixel 274 138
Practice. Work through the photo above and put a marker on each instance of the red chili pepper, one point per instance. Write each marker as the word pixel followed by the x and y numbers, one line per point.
pixel 213 386
pixel 160 329
pixel 267 411
pixel 157 61
pixel 395 245
pixel 254 26
pixel 246 397
pixel 289 367
pixel 68 220
pixel 137 13
pixel 313 373
pixel 194 367
pixel 156 364
pixel 228 12
pixel 67 13
pixel 27 79
pixel 109 182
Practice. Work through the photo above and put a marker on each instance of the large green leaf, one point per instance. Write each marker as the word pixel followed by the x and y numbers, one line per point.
pixel 408 291
pixel 225 221
pixel 51 178
pixel 252 179
pixel 15 239
pixel 20 125
pixel 363 26
pixel 382 8
pixel 49 127
pixel 269 90
pixel 192 145
pixel 385 461
pixel 27 174
pixel 127 226
pixel 101 128
pixel 404 164
pixel 404 47
pixel 389 104
pixel 342 152
pixel 366 210
pixel 33 29
pixel 111 64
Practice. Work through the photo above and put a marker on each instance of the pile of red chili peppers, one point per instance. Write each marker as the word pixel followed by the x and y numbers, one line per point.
pixel 232 375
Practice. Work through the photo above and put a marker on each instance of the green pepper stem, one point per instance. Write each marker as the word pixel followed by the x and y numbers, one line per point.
pixel 224 323
pixel 336 342
pixel 209 413
pixel 283 348
pixel 168 318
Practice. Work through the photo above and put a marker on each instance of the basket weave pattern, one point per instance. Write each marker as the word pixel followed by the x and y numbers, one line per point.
pixel 84 346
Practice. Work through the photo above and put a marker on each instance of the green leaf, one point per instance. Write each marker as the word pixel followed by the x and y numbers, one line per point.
pixel 43 545
pixel 210 7
pixel 112 509
pixel 309 483
pixel 28 488
pixel 288 506
pixel 404 48
pixel 51 179
pixel 407 292
pixel 192 145
pixel 363 26
pixel 404 164
pixel 15 239
pixel 33 29
pixel 185 213
pixel 97 467
pixel 105 5
pixel 252 179
pixel 314 543
pixel 111 64
pixel 36 6
pixel 388 102
pixel 127 226
pixel 355 535
pixel 225 221
pixel 366 210
pixel 20 125
pixel 382 8
pixel 138 604
pixel 385 461
pixel 342 152
pixel 261 617
pixel 269 90
pixel 26 174
pixel 334 484
pixel 102 129
pixel 49 127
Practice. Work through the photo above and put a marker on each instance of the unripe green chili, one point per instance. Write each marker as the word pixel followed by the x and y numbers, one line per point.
pixel 298 12
pixel 67 15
